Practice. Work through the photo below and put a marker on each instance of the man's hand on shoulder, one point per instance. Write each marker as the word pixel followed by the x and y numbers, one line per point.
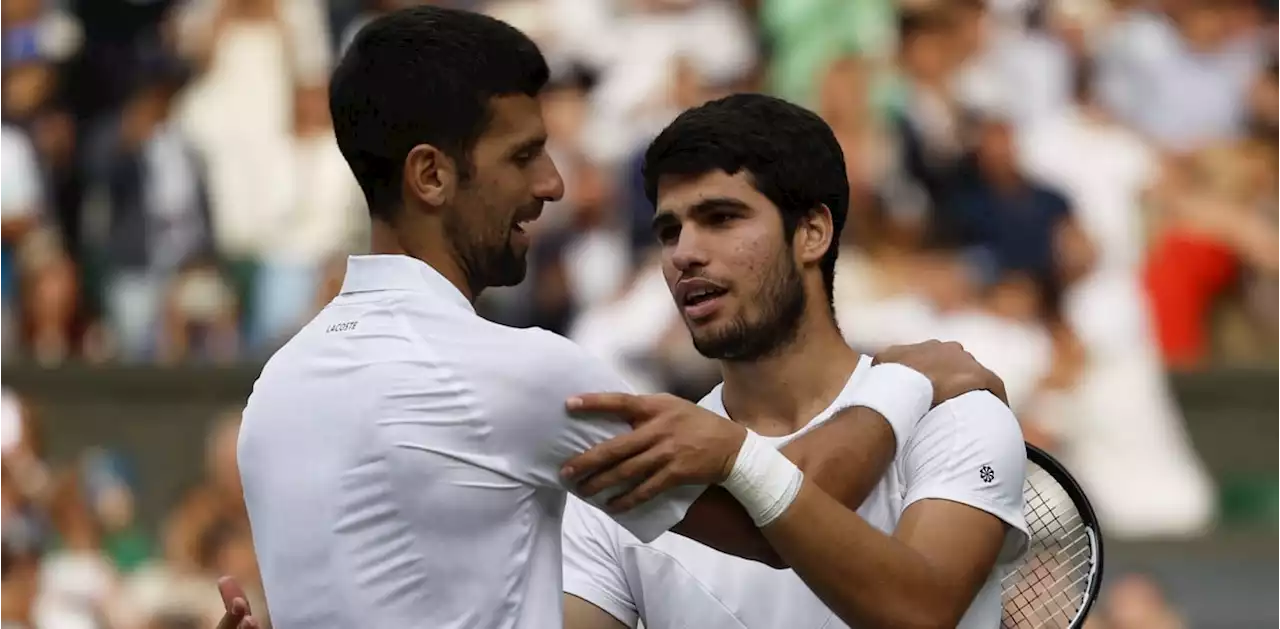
pixel 952 370
pixel 675 442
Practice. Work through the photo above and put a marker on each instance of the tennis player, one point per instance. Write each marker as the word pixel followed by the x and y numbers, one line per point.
pixel 401 456
pixel 750 192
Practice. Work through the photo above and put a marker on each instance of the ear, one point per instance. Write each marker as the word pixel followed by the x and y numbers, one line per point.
pixel 814 235
pixel 430 175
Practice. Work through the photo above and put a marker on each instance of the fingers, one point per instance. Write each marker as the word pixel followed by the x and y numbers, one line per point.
pixel 644 492
pixel 237 616
pixel 231 592
pixel 624 405
pixel 235 605
pixel 608 454
pixel 629 472
pixel 996 386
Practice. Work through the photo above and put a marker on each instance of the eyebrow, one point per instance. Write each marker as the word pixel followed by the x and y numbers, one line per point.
pixel 667 217
pixel 532 143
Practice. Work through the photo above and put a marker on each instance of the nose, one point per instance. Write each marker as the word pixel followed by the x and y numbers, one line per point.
pixel 688 252
pixel 548 185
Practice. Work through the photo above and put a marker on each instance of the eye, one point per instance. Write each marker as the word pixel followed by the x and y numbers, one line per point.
pixel 667 234
pixel 718 218
pixel 527 155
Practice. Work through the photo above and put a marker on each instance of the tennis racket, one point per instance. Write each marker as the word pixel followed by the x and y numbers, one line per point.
pixel 1058 579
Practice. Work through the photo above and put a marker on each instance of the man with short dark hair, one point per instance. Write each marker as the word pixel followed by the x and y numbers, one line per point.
pixel 401 456
pixel 751 197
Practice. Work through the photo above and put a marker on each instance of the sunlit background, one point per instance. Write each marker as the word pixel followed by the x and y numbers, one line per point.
pixel 1083 192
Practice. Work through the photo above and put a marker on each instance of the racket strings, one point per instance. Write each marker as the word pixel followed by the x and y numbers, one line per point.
pixel 1052 584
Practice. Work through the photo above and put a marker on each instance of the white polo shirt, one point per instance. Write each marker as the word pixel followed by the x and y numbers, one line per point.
pixel 400 461
pixel 967 450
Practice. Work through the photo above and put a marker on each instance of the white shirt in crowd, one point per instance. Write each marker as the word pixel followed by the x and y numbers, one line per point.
pixel 400 461
pixel 967 450
pixel 20 184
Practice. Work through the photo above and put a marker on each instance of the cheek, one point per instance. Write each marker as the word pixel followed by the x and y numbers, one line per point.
pixel 749 261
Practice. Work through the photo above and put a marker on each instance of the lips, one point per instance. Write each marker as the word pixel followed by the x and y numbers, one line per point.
pixel 525 217
pixel 699 298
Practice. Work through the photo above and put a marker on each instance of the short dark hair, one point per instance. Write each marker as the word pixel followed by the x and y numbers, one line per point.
pixel 424 75
pixel 791 155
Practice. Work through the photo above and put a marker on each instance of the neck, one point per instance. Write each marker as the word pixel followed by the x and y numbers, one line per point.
pixel 433 250
pixel 781 393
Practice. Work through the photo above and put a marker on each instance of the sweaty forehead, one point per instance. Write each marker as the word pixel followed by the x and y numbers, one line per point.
pixel 677 194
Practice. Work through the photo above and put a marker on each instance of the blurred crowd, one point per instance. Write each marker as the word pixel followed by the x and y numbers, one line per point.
pixel 77 557
pixel 1083 192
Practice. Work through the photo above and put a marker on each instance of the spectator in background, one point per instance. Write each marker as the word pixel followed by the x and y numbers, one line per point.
pixel 320 220
pixel 639 52
pixel 20 200
pixel 200 317
pixel 78 584
pixel 805 38
pixel 1012 222
pixel 20 566
pixel 929 122
pixel 1181 76
pixel 251 54
pixel 1121 396
pixel 109 494
pixel 205 535
pixel 151 209
pixel 1217 224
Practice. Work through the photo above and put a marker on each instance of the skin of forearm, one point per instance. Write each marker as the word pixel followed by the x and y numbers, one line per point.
pixel 869 579
pixel 846 457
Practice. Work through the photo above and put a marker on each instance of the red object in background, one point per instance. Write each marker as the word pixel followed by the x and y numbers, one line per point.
pixel 1185 273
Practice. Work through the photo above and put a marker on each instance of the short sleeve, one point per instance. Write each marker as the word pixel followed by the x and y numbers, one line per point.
pixel 593 569
pixel 970 450
pixel 519 382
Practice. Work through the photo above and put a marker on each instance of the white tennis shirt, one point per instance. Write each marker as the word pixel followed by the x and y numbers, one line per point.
pixel 967 450
pixel 400 461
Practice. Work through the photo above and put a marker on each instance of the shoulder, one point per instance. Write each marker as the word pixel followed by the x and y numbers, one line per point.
pixel 976 425
pixel 527 365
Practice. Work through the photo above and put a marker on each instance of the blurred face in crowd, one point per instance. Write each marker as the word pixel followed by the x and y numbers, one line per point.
pixel 927 54
pixel 26 87
pixel 734 273
pixel 970 33
pixel 1206 24
pixel 485 208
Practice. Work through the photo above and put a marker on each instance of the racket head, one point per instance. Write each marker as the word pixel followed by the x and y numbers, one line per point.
pixel 1047 485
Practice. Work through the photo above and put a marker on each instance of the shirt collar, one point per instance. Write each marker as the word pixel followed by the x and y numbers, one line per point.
pixel 399 272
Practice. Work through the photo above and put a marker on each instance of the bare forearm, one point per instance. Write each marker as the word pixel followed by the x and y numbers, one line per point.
pixel 846 457
pixel 868 578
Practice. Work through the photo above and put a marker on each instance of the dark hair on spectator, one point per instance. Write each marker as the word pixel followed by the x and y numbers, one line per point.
pixel 790 154
pixel 424 75
pixel 927 20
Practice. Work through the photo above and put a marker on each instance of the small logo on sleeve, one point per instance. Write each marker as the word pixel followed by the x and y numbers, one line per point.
pixel 987 474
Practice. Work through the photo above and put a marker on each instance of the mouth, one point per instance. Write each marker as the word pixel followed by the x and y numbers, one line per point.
pixel 526 219
pixel 700 299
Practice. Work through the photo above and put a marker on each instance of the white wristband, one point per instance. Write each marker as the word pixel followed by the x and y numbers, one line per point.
pixel 764 480
pixel 900 394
